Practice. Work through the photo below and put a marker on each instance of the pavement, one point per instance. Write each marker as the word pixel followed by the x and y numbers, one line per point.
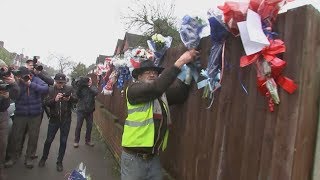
pixel 99 161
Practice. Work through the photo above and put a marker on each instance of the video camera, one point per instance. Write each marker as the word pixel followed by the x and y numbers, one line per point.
pixel 4 86
pixel 35 63
pixel 81 82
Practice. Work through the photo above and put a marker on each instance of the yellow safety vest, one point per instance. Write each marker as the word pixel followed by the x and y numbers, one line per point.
pixel 139 126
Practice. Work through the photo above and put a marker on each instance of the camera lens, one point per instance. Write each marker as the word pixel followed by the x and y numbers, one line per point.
pixel 39 68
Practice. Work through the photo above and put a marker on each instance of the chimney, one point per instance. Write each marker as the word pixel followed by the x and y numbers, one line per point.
pixel 1 44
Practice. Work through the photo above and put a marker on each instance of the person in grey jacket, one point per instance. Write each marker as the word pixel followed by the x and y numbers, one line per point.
pixel 86 94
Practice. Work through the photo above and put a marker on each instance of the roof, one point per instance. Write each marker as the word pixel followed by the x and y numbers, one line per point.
pixel 118 46
pixel 135 40
pixel 101 59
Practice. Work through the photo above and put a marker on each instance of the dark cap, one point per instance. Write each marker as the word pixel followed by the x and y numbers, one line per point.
pixel 24 71
pixel 29 60
pixel 146 66
pixel 60 77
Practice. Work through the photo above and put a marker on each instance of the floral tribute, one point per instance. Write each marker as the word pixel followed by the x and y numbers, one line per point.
pixel 253 22
pixel 159 45
pixel 213 72
pixel 190 34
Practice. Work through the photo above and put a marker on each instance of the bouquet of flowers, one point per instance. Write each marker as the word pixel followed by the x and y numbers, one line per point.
pixel 124 75
pixel 140 54
pixel 159 45
pixel 214 69
pixel 190 31
pixel 108 88
pixel 79 174
pixel 106 71
pixel 259 44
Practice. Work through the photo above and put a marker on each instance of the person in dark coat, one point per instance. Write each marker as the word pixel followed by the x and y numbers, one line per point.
pixel 27 115
pixel 9 90
pixel 59 101
pixel 86 93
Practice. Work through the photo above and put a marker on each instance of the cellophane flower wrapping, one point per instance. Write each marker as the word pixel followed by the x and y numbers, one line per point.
pixel 219 33
pixel 191 28
pixel 264 73
pixel 104 77
pixel 122 64
pixel 267 9
pixel 79 173
pixel 234 12
pixel 124 75
pixel 140 54
pixel 108 88
pixel 190 33
pixel 159 45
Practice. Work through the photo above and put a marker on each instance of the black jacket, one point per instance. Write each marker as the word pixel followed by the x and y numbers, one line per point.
pixel 86 98
pixel 60 110
pixel 46 78
pixel 14 92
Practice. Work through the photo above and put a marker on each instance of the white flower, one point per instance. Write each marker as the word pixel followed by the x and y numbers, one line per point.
pixel 158 38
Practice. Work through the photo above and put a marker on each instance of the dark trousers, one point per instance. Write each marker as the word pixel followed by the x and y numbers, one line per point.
pixel 32 123
pixel 53 128
pixel 3 140
pixel 89 121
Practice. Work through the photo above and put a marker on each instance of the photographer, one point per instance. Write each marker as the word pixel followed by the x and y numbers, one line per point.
pixel 86 93
pixel 59 100
pixel 27 115
pixel 8 90
pixel 37 70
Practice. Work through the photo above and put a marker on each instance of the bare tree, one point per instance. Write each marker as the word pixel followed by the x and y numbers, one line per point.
pixel 152 17
pixel 64 63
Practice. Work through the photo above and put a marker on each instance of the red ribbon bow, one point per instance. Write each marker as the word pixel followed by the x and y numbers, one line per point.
pixel 277 65
pixel 269 53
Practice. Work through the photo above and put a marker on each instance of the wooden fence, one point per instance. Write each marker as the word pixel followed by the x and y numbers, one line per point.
pixel 238 138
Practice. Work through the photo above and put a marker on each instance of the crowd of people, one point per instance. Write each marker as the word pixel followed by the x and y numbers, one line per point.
pixel 34 93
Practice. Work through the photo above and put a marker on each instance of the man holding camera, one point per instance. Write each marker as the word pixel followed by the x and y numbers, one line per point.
pixel 8 91
pixel 27 115
pixel 37 70
pixel 59 101
pixel 86 94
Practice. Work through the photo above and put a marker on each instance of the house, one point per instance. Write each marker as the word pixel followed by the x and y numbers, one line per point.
pixel 130 41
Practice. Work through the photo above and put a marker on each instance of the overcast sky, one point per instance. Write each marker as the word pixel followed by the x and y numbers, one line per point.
pixel 80 29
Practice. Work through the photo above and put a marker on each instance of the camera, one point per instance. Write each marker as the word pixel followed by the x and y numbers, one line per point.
pixel 4 73
pixel 4 86
pixel 67 94
pixel 82 81
pixel 7 73
pixel 35 63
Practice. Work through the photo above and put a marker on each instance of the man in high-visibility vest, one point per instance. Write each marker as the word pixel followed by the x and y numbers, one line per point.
pixel 146 127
